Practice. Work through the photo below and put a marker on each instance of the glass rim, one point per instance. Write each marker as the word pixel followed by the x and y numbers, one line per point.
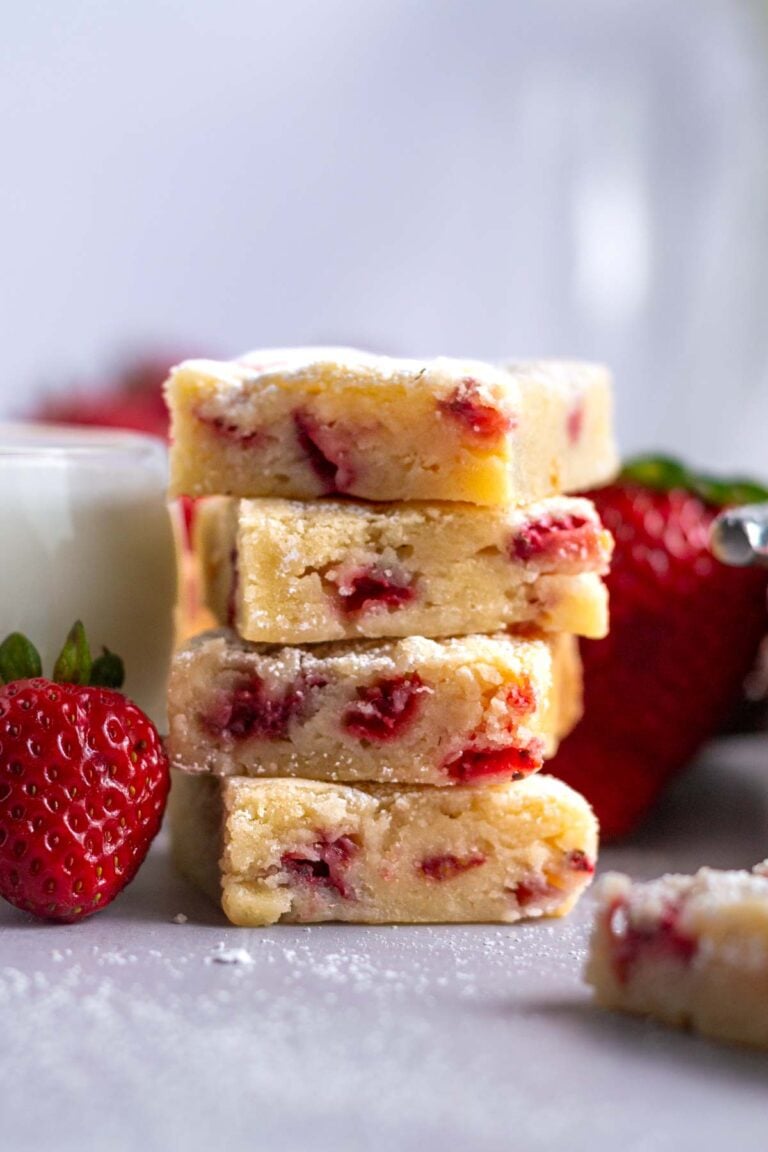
pixel 37 440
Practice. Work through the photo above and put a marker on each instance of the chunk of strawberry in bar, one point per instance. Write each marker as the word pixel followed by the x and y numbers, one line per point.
pixel 231 431
pixel 520 699
pixel 661 940
pixel 534 888
pixel 323 865
pixel 385 708
pixel 480 763
pixel 575 422
pixel 447 866
pixel 467 406
pixel 251 709
pixel 386 586
pixel 578 861
pixel 556 538
pixel 326 452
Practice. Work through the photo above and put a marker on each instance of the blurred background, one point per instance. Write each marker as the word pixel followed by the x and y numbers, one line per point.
pixel 546 177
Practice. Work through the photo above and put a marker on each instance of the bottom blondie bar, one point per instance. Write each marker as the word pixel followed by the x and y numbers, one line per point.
pixel 305 851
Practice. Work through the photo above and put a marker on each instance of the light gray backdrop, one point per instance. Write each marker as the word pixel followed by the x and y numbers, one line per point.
pixel 566 177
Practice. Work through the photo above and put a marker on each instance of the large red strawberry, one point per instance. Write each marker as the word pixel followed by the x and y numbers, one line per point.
pixel 685 631
pixel 134 399
pixel 83 781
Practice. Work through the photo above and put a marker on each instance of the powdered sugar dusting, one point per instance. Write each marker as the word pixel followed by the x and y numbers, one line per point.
pixel 223 955
pixel 365 1038
pixel 221 1021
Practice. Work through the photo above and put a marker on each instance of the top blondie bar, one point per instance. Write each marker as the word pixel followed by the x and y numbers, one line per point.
pixel 309 422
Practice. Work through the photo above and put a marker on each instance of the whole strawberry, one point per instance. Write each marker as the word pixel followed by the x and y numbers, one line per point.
pixel 133 399
pixel 685 631
pixel 83 781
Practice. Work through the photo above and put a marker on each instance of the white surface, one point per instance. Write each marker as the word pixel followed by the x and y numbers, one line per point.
pixel 132 1031
pixel 575 177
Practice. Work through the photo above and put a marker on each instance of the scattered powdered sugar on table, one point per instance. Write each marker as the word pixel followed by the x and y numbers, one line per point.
pixel 368 1038
pixel 224 955
pixel 126 1032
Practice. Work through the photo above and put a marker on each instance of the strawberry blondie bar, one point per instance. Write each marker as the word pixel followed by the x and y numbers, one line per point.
pixel 304 851
pixel 311 422
pixel 283 571
pixel 690 950
pixel 412 711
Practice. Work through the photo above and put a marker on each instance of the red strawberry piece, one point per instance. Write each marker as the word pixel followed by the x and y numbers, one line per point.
pixel 252 709
pixel 466 405
pixel 326 452
pixel 187 504
pixel 133 400
pixel 245 438
pixel 530 889
pixel 376 586
pixel 578 861
pixel 447 866
pixel 519 700
pixel 574 424
pixel 514 762
pixel 685 631
pixel 83 784
pixel 661 940
pixel 384 708
pixel 324 865
pixel 559 541
pixel 482 763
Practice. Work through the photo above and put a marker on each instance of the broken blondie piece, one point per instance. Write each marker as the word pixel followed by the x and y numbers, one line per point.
pixel 691 951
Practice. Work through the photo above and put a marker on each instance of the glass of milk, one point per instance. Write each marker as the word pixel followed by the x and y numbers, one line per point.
pixel 85 534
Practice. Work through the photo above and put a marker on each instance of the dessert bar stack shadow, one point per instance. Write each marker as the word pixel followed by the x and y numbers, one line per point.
pixel 399 577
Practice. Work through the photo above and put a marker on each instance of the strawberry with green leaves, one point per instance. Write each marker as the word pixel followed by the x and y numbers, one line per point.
pixel 685 631
pixel 83 780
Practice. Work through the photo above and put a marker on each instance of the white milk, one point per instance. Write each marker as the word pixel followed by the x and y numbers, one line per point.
pixel 85 534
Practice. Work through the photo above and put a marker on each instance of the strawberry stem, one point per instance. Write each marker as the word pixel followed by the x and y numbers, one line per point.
pixel 20 660
pixel 665 473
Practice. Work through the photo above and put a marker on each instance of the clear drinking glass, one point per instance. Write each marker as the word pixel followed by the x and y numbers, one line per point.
pixel 85 534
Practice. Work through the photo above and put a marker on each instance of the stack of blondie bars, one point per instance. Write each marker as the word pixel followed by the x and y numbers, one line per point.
pixel 399 581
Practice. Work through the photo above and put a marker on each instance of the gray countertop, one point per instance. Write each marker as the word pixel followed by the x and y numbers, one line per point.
pixel 133 1031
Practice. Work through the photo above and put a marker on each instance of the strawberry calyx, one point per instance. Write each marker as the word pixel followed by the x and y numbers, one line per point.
pixel 20 660
pixel 667 474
